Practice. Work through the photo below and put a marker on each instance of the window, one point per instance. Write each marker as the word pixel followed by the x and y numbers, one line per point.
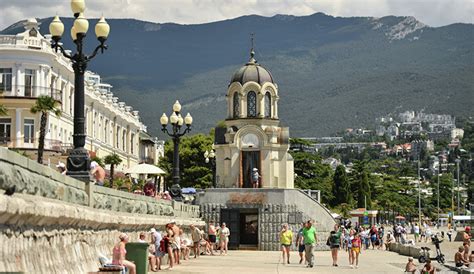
pixel 29 130
pixel 117 139
pixel 131 143
pixel 236 105
pixel 124 141
pixel 251 104
pixel 268 105
pixel 106 131
pixel 29 82
pixel 71 100
pixel 5 79
pixel 5 130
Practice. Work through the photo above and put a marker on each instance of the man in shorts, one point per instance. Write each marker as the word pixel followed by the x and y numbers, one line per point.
pixel 212 236
pixel 175 241
pixel 309 237
pixel 196 236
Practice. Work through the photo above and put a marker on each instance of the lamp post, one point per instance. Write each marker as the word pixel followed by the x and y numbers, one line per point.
pixel 176 121
pixel 211 158
pixel 78 162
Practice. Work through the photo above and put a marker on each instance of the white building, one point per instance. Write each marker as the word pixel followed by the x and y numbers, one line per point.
pixel 29 68
pixel 254 138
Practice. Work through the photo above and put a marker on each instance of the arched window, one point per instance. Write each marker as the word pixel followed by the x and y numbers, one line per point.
pixel 251 104
pixel 236 105
pixel 268 105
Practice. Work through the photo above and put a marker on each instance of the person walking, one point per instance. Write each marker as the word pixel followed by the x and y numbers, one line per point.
pixel 211 232
pixel 300 242
pixel 286 238
pixel 156 242
pixel 335 243
pixel 309 236
pixel 196 236
pixel 224 234
pixel 356 250
pixel 416 232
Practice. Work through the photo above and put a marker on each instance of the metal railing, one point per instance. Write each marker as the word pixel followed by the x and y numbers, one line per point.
pixel 29 143
pixel 147 160
pixel 32 91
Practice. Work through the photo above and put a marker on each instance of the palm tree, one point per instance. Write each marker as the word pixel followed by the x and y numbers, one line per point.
pixel 44 104
pixel 3 110
pixel 112 160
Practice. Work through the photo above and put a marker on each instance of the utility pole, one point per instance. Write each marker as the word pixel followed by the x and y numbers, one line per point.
pixel 419 191
pixel 458 185
pixel 438 193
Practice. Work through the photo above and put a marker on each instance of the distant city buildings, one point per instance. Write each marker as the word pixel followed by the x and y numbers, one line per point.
pixel 29 68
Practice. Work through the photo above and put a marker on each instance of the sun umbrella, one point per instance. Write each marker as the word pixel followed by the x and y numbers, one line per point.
pixel 144 169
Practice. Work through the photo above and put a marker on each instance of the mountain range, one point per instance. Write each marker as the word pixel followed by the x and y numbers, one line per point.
pixel 332 72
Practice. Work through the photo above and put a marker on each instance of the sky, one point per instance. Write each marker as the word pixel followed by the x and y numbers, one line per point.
pixel 431 12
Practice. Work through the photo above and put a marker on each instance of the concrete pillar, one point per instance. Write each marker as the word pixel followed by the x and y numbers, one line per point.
pixel 37 89
pixel 18 90
pixel 18 118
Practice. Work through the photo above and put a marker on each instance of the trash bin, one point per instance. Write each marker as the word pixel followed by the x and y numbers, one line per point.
pixel 138 253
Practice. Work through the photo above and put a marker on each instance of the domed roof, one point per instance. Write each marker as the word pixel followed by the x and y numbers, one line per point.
pixel 252 71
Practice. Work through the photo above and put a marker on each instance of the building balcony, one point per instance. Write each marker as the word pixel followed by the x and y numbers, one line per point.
pixel 32 143
pixel 29 92
pixel 147 160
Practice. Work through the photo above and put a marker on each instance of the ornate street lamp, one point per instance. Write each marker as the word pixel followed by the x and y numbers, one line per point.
pixel 176 133
pixel 78 162
pixel 210 157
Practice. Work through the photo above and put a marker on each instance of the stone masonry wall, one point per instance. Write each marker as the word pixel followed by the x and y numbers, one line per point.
pixel 29 177
pixel 56 224
pixel 40 235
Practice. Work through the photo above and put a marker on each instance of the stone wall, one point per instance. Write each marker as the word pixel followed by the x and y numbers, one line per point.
pixel 56 224
pixel 40 235
pixel 274 207
pixel 29 177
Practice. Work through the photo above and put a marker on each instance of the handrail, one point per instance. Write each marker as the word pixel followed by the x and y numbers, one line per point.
pixel 31 91
pixel 325 208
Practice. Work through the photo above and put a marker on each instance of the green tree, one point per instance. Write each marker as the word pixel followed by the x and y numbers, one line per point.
pixel 44 104
pixel 311 173
pixel 445 190
pixel 361 181
pixel 194 172
pixel 3 110
pixel 112 160
pixel 341 187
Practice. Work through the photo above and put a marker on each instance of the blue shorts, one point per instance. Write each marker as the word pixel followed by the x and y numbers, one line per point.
pixel 301 248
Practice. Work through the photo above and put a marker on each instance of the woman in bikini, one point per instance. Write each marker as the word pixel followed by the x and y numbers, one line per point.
pixel 355 250
pixel 119 251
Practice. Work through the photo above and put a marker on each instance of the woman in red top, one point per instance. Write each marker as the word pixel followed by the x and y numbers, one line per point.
pixel 355 250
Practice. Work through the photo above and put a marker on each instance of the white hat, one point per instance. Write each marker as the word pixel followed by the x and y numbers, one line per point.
pixel 61 165
pixel 152 230
pixel 94 164
pixel 173 222
pixel 255 169
pixel 167 192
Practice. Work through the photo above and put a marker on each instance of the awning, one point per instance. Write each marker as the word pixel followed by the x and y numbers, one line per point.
pixel 144 169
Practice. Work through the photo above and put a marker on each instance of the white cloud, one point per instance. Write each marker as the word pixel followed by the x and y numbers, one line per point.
pixel 431 12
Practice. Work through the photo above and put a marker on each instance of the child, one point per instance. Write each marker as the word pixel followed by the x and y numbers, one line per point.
pixel 459 259
pixel 428 268
pixel 410 267
pixel 355 249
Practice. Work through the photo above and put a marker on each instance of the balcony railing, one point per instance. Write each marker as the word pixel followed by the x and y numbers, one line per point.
pixel 147 160
pixel 31 91
pixel 26 142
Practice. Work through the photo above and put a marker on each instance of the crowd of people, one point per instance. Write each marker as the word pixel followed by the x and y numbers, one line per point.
pixel 173 243
pixel 353 240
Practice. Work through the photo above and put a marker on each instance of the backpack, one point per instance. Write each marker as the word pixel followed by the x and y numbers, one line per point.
pixel 162 245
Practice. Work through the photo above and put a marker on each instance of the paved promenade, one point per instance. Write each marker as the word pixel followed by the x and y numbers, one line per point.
pixel 263 262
